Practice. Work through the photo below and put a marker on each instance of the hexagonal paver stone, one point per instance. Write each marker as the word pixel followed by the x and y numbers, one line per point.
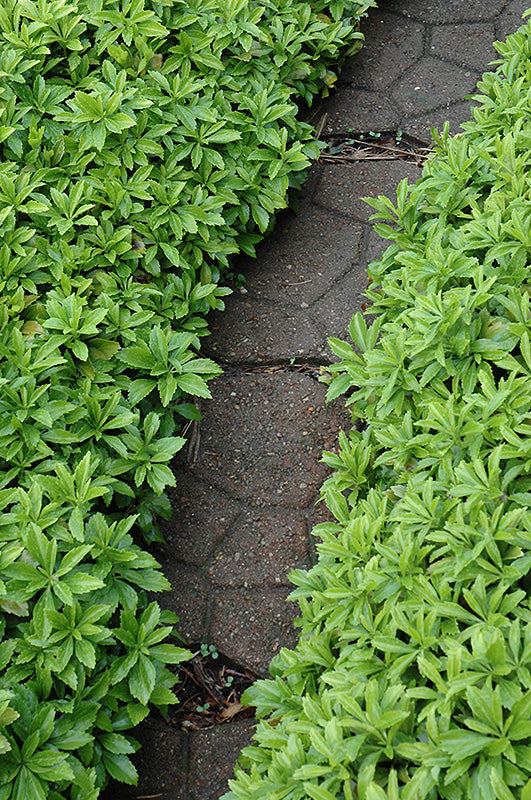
pixel 306 254
pixel 510 18
pixel 263 435
pixel 431 84
pixel 392 45
pixel 342 186
pixel 161 763
pixel 467 44
pixel 441 11
pixel 420 126
pixel 261 549
pixel 196 526
pixel 359 110
pixel 259 331
pixel 341 302
pixel 251 625
pixel 213 753
pixel 188 598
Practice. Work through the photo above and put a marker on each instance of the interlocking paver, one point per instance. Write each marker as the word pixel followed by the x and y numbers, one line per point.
pixel 261 549
pixel 255 331
pixel 196 527
pixel 208 777
pixel 170 783
pixel 360 110
pixel 343 185
pixel 420 126
pixel 188 598
pixel 251 625
pixel 263 437
pixel 313 249
pixel 510 18
pixel 467 44
pixel 432 83
pixel 392 45
pixel 440 11
pixel 341 302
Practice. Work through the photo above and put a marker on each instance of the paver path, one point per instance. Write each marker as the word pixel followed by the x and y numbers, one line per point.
pixel 244 510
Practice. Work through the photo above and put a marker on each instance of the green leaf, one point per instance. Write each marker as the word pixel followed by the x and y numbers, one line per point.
pixel 338 386
pixel 261 217
pixel 82 582
pixel 51 765
pixel 116 743
pixel 188 411
pixel 85 652
pixel 526 791
pixel 317 792
pixel 337 505
pixel 375 792
pixel 80 350
pixel 194 385
pixel 500 787
pixel 120 767
pixel 28 785
pixel 169 653
pixel 139 389
pixel 142 679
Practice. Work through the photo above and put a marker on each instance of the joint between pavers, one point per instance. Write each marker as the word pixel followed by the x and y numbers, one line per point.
pixel 272 502
pixel 426 36
pixel 446 107
pixel 187 763
pixel 375 94
pixel 366 243
pixel 209 613
pixel 372 133
pixel 211 557
pixel 357 261
pixel 235 367
pixel 343 214
pixel 218 487
pixel 460 65
pixel 442 107
pixel 502 9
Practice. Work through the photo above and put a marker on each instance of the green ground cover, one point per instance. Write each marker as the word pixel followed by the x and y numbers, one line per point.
pixel 142 144
pixel 412 675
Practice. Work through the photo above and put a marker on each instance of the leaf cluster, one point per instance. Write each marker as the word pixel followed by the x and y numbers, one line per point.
pixel 141 145
pixel 412 676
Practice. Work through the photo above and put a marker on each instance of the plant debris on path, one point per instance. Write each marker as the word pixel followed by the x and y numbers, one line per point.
pixel 209 690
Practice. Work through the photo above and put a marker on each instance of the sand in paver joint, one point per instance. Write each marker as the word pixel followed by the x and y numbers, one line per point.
pixel 244 510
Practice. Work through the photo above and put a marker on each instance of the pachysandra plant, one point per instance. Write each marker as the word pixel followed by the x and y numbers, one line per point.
pixel 412 676
pixel 142 144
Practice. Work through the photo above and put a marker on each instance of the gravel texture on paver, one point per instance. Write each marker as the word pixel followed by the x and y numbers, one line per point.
pixel 343 185
pixel 229 550
pixel 243 511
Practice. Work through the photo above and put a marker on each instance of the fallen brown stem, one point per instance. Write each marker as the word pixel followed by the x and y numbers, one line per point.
pixel 148 796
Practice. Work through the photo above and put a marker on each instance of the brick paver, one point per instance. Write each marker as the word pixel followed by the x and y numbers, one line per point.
pixel 467 44
pixel 343 185
pixel 208 774
pixel 432 83
pixel 245 508
pixel 353 109
pixel 450 11
pixel 391 47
